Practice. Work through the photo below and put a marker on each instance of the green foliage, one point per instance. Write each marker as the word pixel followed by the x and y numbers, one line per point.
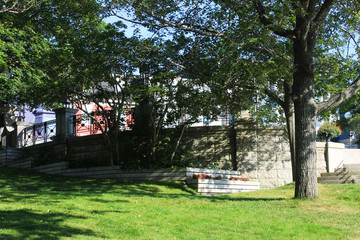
pixel 39 46
pixel 22 51
pixel 354 124
pixel 329 130
pixel 238 58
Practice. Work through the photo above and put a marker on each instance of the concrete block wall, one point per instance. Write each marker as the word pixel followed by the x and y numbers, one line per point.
pixel 261 154
pixel 209 146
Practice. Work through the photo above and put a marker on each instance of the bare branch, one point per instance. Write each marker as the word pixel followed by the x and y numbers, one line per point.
pixel 16 6
pixel 336 100
pixel 177 64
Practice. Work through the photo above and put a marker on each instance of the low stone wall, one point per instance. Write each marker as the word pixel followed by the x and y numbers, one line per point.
pixel 9 155
pixel 21 163
pixel 115 172
pixel 259 154
pixel 52 168
pixel 108 172
pixel 336 156
pixel 76 151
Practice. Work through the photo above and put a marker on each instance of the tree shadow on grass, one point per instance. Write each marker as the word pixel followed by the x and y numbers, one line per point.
pixel 26 224
pixel 29 183
pixel 60 187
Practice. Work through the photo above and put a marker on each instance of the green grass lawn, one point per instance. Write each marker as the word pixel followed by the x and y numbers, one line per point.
pixel 34 206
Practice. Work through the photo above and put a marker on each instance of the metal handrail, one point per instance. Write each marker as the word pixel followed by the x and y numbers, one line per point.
pixel 84 125
pixel 37 133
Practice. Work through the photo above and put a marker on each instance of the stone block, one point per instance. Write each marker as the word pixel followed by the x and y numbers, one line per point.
pixel 269 147
pixel 246 139
pixel 270 165
pixel 246 156
pixel 264 174
pixel 285 174
pixel 287 164
pixel 245 132
pixel 266 156
pixel 283 156
pixel 267 138
pixel 248 166
pixel 282 138
pixel 247 147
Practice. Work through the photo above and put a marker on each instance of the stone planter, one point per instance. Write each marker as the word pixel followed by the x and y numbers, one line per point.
pixel 213 187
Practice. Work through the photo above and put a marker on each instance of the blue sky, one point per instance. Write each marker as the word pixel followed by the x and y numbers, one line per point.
pixel 129 31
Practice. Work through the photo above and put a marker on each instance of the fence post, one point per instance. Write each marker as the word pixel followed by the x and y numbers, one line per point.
pixel 64 127
pixel 45 131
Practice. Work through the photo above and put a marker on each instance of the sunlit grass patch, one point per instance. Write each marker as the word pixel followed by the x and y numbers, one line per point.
pixel 35 206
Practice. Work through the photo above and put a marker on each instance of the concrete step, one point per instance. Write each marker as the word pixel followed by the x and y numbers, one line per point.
pixel 340 178
pixel 349 173
pixel 333 174
pixel 332 182
pixel 340 170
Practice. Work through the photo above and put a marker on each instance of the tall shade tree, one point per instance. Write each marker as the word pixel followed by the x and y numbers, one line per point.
pixel 302 47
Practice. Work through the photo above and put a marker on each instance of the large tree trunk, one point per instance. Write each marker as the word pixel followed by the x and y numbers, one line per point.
pixel 305 138
pixel 305 118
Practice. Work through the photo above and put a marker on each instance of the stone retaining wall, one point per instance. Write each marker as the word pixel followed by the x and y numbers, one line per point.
pixel 259 154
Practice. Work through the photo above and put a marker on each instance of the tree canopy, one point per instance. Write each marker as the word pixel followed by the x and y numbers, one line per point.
pixel 37 46
pixel 300 49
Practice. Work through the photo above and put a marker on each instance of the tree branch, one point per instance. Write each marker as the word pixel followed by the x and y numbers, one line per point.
pixel 273 27
pixel 274 97
pixel 194 28
pixel 348 33
pixel 16 6
pixel 339 98
pixel 273 52
pixel 322 13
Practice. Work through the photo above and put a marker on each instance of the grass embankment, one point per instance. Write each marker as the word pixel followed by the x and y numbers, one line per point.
pixel 34 206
